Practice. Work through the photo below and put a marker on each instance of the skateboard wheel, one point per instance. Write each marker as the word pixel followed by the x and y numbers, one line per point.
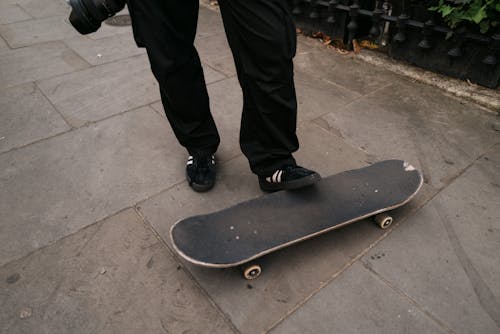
pixel 383 220
pixel 252 271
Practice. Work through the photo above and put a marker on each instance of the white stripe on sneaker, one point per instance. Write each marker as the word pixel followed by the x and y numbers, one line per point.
pixel 276 177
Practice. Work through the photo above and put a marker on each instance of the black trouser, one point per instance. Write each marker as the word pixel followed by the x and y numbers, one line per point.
pixel 262 38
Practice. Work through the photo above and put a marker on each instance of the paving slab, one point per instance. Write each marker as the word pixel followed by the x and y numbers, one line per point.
pixel 318 97
pixel 158 107
pixel 57 186
pixel 439 134
pixel 27 116
pixel 10 13
pixel 37 62
pixel 224 64
pixel 212 46
pixel 226 104
pixel 112 277
pixel 107 30
pixel 102 91
pixel 446 256
pixel 358 302
pixel 107 89
pixel 45 8
pixel 215 54
pixel 289 275
pixel 212 49
pixel 34 31
pixel 343 70
pixel 106 49
pixel 209 23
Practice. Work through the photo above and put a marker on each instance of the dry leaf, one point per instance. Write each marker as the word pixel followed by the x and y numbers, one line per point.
pixel 355 46
pixel 325 39
pixel 368 45
pixel 341 51
pixel 317 34
pixel 338 43
pixel 25 312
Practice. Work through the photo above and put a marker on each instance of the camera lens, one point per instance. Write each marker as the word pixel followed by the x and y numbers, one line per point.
pixel 86 15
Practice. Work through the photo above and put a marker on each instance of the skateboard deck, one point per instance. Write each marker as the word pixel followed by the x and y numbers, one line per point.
pixel 248 230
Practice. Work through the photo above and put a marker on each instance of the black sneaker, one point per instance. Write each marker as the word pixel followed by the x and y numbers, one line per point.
pixel 289 177
pixel 200 172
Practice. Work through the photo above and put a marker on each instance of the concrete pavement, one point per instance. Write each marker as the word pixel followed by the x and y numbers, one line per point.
pixel 92 178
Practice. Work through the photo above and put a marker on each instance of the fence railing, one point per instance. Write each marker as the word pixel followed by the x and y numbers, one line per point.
pixel 409 31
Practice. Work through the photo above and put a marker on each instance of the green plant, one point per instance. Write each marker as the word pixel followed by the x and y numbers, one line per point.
pixel 484 13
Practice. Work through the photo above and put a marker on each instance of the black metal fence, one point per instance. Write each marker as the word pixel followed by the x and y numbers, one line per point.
pixel 408 31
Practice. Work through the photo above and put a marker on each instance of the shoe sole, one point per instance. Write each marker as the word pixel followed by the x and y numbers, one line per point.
pixel 199 187
pixel 296 184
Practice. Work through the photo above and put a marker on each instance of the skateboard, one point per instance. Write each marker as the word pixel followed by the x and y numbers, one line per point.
pixel 237 235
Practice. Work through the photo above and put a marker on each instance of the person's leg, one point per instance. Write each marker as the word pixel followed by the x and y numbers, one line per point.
pixel 262 37
pixel 167 28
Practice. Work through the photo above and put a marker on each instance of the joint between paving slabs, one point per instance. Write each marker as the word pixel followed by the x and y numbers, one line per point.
pixel 34 251
pixel 216 70
pixel 180 266
pixel 81 69
pixel 74 128
pixel 356 99
pixel 68 123
pixel 453 178
pixel 5 41
pixel 134 206
pixel 63 41
pixel 429 315
pixel 138 203
pixel 100 64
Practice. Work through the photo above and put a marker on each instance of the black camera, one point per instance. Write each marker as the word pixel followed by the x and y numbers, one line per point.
pixel 87 15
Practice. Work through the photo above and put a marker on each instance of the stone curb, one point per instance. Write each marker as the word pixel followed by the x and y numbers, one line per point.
pixel 485 97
